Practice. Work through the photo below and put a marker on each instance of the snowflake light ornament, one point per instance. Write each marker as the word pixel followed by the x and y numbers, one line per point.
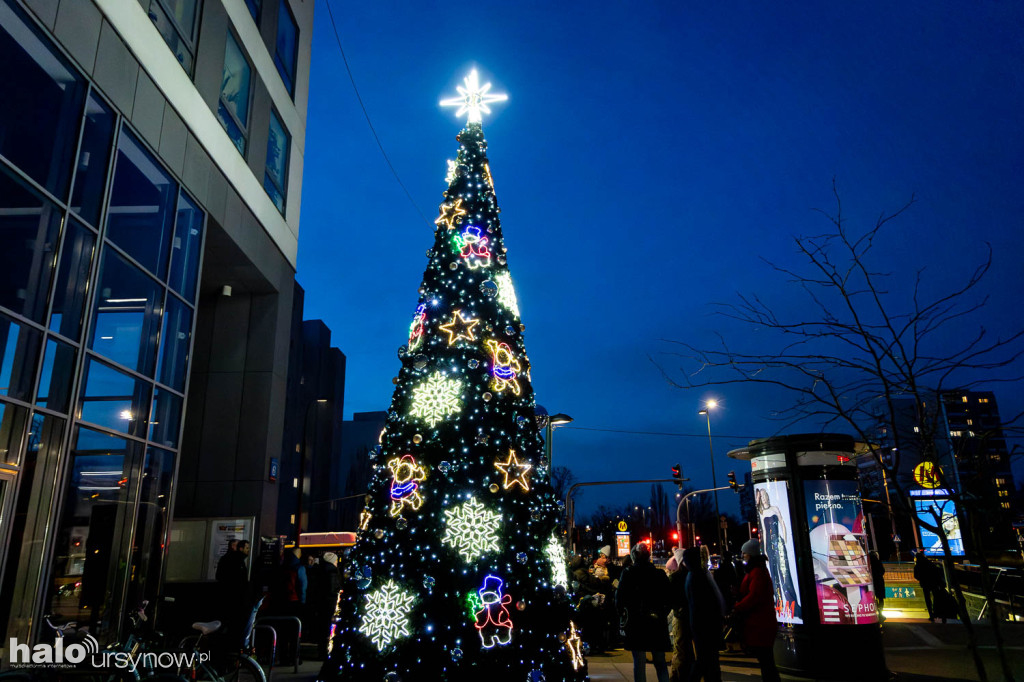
pixel 387 614
pixel 556 555
pixel 436 398
pixel 471 529
pixel 507 293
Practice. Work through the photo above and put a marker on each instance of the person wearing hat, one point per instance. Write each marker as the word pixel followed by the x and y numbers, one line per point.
pixel 642 602
pixel 754 612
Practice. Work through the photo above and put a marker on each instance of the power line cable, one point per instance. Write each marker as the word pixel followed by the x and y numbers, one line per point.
pixel 659 433
pixel 373 130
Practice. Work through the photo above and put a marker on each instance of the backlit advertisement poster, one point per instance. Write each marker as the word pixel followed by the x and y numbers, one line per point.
pixel 838 541
pixel 946 509
pixel 772 500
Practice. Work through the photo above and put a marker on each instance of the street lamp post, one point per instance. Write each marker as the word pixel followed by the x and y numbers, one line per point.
pixel 302 467
pixel 553 422
pixel 706 412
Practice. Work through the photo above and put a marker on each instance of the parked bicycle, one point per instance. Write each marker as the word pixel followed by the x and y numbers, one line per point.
pixel 213 664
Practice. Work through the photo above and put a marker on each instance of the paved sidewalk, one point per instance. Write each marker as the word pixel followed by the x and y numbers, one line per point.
pixel 915 650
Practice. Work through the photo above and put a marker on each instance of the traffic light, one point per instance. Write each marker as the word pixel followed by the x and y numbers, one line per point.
pixel 732 482
pixel 677 475
pixel 675 536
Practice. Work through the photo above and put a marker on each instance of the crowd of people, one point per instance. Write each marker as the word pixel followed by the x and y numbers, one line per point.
pixel 301 586
pixel 694 609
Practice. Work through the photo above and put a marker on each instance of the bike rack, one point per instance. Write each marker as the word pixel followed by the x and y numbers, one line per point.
pixel 287 623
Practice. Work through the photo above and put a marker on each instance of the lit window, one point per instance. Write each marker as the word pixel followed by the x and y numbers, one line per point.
pixel 982 400
pixel 917 429
pixel 964 398
pixel 1005 505
pixel 286 52
pixel 275 177
pixel 970 422
pixel 233 110
pixel 1004 493
pixel 955 434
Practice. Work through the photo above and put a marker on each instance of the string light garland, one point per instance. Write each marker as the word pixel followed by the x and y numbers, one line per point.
pixel 471 529
pixel 436 398
pixel 387 614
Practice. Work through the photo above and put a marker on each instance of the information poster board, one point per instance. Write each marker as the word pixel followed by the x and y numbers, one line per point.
pixel 835 519
pixel 772 500
pixel 223 531
pixel 950 524
pixel 622 544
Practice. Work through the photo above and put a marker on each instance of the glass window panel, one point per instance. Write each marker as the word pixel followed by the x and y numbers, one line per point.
pixel 114 399
pixel 286 51
pixel 254 9
pixel 41 102
pixel 30 525
pixel 94 531
pixel 184 14
pixel 275 177
pixel 151 525
pixel 142 204
pixel 176 37
pixel 166 418
pixel 19 352
pixel 174 344
pixel 188 238
pixel 29 229
pixel 234 86
pixel 91 172
pixel 55 379
pixel 72 284
pixel 126 319
pixel 12 432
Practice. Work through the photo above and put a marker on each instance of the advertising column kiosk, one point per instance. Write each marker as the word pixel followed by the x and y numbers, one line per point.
pixel 812 530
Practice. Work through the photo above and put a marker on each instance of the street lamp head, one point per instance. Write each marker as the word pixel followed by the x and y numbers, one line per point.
pixel 321 400
pixel 559 419
pixel 703 413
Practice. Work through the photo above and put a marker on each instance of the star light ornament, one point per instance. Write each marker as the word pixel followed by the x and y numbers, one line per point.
pixel 471 529
pixel 387 614
pixel 515 471
pixel 473 98
pixel 436 398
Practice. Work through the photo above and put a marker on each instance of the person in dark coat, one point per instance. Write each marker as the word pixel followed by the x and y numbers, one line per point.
pixel 322 599
pixel 926 573
pixel 682 637
pixel 642 601
pixel 233 586
pixel 877 582
pixel 707 615
pixel 754 612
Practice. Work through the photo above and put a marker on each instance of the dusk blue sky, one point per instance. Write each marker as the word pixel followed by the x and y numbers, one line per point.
pixel 647 159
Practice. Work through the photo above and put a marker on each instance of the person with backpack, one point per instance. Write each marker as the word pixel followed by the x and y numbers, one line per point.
pixel 642 601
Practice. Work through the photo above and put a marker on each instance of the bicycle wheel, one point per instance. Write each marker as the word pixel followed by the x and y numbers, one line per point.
pixel 245 669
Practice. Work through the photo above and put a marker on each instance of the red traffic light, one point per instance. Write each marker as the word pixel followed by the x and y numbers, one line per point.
pixel 675 536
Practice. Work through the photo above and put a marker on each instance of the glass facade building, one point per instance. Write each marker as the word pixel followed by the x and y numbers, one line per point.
pixel 111 198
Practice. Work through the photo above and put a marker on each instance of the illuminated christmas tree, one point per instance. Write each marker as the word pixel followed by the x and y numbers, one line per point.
pixel 459 570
